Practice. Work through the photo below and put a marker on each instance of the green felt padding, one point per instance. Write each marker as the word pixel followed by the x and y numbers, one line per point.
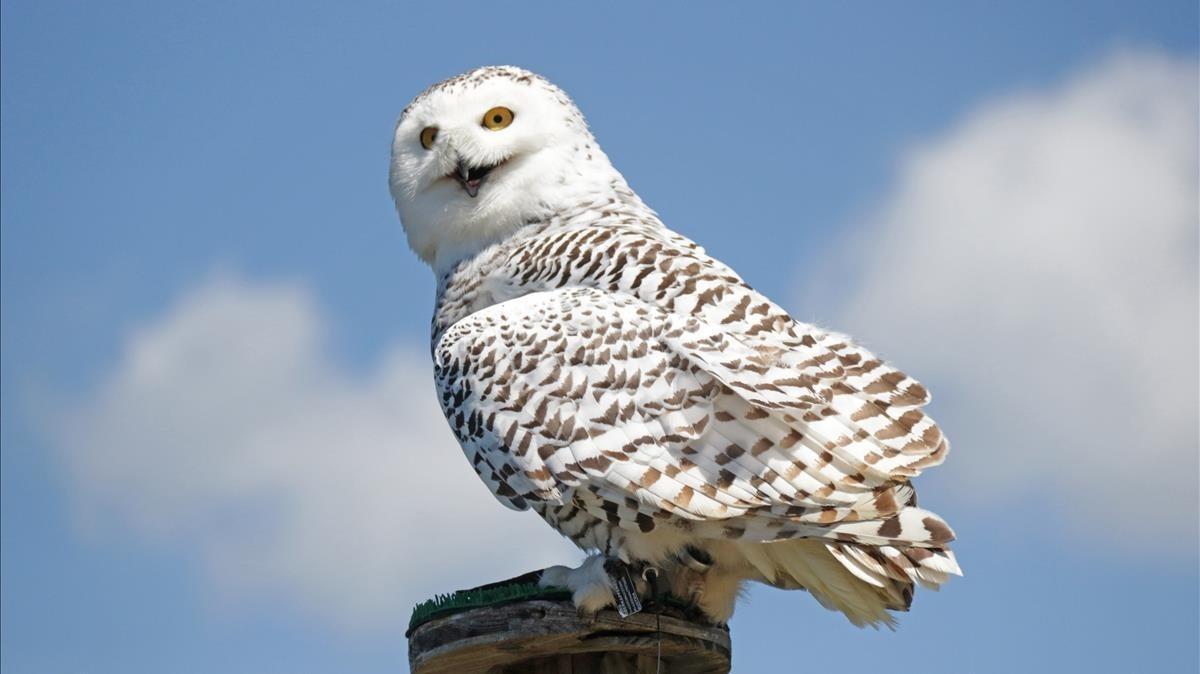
pixel 463 600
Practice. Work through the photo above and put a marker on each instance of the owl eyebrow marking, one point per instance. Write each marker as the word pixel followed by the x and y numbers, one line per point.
pixel 476 77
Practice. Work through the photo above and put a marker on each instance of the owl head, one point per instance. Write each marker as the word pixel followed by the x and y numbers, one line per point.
pixel 479 155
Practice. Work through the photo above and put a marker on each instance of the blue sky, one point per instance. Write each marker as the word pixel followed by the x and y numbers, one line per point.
pixel 214 334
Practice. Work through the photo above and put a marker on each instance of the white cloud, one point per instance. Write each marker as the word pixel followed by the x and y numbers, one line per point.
pixel 1037 265
pixel 226 429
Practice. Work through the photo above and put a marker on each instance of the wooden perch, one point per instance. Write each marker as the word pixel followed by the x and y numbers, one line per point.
pixel 496 630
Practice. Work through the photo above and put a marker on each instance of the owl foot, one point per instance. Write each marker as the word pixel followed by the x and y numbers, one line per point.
pixel 588 584
pixel 689 579
pixel 697 580
pixel 591 583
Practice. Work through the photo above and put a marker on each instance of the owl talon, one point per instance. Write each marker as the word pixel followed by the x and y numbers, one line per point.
pixel 695 559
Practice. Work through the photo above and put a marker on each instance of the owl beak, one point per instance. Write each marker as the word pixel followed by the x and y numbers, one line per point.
pixel 471 177
pixel 470 183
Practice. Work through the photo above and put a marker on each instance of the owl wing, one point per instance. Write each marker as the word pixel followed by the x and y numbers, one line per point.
pixel 638 413
pixel 575 388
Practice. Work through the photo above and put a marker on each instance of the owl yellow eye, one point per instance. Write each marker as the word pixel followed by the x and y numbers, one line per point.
pixel 497 118
pixel 428 135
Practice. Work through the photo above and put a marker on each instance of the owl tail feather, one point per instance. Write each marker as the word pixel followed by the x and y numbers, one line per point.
pixel 861 580
pixel 911 526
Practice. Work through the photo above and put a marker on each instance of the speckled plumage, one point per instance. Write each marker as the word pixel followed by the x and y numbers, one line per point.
pixel 605 372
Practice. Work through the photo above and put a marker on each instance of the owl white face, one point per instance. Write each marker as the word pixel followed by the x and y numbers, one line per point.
pixel 478 156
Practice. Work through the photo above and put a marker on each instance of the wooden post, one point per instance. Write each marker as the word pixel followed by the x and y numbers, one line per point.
pixel 548 636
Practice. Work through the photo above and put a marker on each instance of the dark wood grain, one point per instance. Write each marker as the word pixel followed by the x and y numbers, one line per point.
pixel 549 637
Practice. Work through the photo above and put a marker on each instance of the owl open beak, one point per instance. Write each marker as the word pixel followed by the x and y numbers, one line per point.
pixel 471 177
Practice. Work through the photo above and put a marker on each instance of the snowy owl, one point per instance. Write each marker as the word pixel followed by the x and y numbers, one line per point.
pixel 637 394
